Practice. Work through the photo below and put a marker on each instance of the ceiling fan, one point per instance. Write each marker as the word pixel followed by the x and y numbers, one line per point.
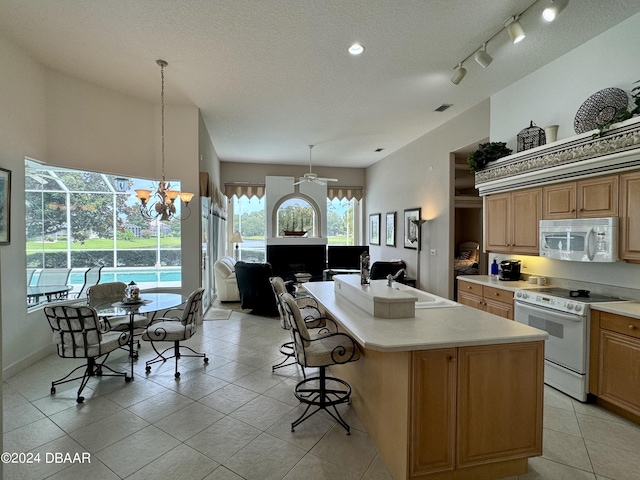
pixel 312 177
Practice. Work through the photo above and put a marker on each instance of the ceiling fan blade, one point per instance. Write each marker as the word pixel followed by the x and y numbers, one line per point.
pixel 302 180
pixel 319 181
pixel 328 179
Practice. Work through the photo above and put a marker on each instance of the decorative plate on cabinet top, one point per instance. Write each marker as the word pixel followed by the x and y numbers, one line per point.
pixel 600 108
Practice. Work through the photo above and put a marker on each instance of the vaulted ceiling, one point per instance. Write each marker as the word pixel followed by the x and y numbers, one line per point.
pixel 271 77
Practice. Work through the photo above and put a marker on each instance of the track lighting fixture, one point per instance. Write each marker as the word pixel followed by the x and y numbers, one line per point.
pixel 553 10
pixel 482 57
pixel 459 74
pixel 514 29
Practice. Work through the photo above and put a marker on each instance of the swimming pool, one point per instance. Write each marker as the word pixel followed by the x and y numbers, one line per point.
pixel 146 277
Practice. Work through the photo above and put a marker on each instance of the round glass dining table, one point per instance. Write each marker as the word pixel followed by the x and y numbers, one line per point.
pixel 151 304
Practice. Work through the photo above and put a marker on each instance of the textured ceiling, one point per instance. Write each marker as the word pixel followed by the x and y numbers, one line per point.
pixel 271 77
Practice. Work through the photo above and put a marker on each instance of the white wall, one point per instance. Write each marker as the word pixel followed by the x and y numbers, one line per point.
pixel 420 175
pixel 552 95
pixel 64 121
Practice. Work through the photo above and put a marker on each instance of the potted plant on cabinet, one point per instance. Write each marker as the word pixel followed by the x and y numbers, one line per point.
pixel 487 152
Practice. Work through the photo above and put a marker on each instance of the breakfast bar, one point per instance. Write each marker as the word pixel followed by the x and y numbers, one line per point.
pixel 445 391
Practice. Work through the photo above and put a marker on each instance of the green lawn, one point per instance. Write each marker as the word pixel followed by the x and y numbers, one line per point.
pixel 105 244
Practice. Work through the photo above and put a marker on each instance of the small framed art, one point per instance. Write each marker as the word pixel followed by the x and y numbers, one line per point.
pixel 411 229
pixel 374 229
pixel 5 206
pixel 391 229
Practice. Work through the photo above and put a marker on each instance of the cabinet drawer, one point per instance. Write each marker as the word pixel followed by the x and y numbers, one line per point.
pixel 618 323
pixel 497 294
pixel 469 287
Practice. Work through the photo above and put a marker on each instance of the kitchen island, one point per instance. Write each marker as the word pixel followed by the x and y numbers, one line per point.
pixel 450 393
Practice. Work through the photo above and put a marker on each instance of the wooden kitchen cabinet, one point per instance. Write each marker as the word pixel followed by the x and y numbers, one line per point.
pixel 591 198
pixel 512 220
pixel 498 301
pixel 468 394
pixel 615 362
pixel 630 217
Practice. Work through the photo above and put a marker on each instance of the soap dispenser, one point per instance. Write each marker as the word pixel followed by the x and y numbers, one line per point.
pixel 495 269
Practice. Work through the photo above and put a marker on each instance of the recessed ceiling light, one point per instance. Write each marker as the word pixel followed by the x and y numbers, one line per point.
pixel 356 49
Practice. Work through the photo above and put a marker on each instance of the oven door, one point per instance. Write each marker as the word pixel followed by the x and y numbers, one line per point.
pixel 567 342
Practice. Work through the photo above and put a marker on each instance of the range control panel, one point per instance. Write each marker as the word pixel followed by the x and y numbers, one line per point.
pixel 549 301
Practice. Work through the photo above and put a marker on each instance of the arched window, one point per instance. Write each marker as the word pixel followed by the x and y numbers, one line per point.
pixel 296 216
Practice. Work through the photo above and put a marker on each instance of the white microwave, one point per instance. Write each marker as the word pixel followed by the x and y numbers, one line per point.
pixel 580 239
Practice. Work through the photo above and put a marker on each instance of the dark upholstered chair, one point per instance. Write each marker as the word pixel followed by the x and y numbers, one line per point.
pixel 255 289
pixel 380 270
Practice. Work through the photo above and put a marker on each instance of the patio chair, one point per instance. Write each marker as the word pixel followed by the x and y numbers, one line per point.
pixel 91 278
pixel 77 334
pixel 54 276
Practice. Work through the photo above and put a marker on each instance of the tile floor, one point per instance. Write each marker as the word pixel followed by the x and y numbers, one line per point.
pixel 231 420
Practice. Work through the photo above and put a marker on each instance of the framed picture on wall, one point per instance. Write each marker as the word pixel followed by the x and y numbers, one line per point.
pixel 5 206
pixel 411 229
pixel 374 229
pixel 391 229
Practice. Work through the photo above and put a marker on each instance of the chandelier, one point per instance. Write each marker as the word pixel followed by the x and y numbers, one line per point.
pixel 162 205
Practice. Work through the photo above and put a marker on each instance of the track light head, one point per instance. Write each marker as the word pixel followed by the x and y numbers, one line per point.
pixel 515 30
pixel 482 57
pixel 553 10
pixel 459 74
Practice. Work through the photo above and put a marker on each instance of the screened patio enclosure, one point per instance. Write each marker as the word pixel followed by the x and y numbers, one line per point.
pixel 79 219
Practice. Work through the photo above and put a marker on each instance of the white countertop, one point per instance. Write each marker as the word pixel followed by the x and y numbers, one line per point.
pixel 494 282
pixel 430 329
pixel 628 309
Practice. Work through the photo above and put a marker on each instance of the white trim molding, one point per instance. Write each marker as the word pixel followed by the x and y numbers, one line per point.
pixel 580 156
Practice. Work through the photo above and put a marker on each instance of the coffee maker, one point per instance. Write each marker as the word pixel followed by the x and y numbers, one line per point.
pixel 510 270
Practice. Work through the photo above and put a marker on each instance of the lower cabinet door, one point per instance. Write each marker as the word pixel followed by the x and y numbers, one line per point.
pixel 433 411
pixel 500 397
pixel 619 370
pixel 501 309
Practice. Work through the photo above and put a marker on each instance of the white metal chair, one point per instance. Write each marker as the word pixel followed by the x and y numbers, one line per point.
pixel 322 391
pixel 114 292
pixel 77 334
pixel 175 329
pixel 310 313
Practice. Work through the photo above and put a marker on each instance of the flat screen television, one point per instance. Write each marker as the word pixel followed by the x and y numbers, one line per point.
pixel 345 256
pixel 286 260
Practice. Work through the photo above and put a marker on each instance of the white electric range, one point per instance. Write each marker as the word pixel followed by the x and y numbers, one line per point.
pixel 564 314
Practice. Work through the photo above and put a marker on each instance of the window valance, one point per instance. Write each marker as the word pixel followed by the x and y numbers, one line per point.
pixel 240 189
pixel 344 192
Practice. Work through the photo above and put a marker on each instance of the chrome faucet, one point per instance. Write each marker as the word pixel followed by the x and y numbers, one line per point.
pixel 391 278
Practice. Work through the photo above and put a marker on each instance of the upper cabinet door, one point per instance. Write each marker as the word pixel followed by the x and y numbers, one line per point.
pixel 630 217
pixel 526 211
pixel 559 201
pixel 497 225
pixel 598 197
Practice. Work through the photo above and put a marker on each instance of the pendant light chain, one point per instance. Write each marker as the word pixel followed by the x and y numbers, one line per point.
pixel 162 115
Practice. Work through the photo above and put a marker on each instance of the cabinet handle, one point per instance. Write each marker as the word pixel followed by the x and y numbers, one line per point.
pixel 469 287
pixel 632 327
pixel 497 294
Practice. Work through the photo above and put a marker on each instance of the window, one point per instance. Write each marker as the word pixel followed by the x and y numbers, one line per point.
pixel 342 221
pixel 296 217
pixel 248 216
pixel 77 219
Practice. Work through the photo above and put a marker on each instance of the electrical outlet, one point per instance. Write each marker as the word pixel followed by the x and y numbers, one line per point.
pixel 433 252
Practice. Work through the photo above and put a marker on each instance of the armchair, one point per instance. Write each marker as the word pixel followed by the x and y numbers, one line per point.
pixel 224 270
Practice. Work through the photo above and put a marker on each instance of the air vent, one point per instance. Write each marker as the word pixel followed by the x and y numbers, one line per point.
pixel 378 150
pixel 443 107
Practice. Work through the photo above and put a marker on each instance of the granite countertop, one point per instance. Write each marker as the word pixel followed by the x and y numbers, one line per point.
pixel 431 328
pixel 628 309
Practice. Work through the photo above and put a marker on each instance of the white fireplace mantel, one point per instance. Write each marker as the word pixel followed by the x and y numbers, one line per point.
pixel 580 156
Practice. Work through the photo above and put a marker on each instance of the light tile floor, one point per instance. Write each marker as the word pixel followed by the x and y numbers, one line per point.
pixel 231 420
